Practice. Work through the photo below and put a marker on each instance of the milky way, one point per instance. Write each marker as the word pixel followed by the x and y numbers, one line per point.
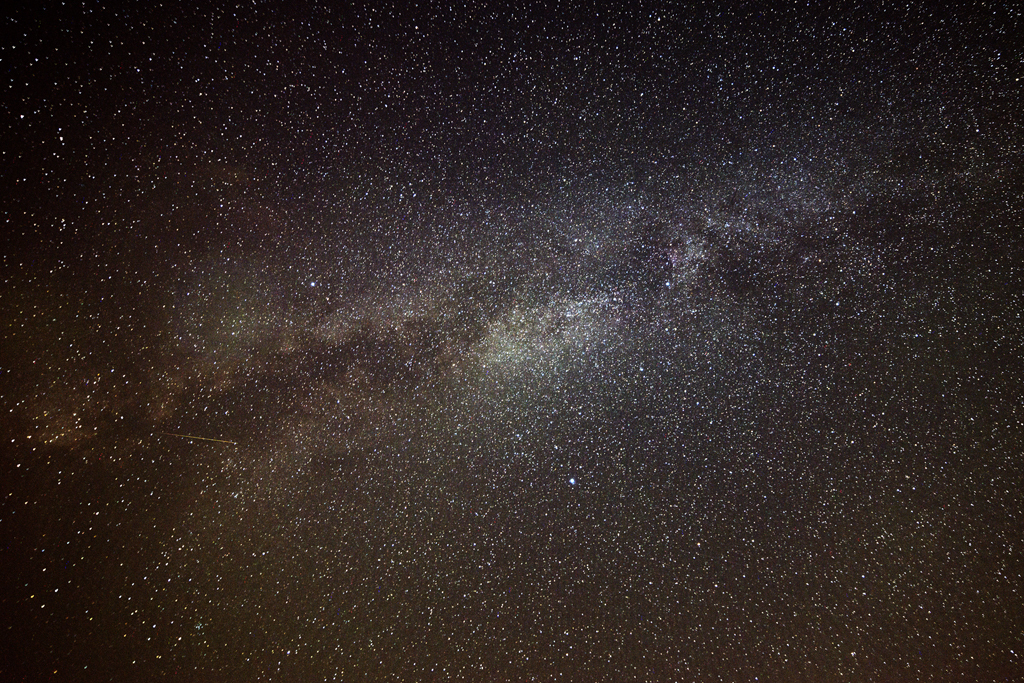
pixel 512 343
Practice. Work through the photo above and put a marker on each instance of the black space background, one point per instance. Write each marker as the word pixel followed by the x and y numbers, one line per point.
pixel 527 342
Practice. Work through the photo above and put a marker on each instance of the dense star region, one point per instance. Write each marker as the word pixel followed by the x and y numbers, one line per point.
pixel 548 341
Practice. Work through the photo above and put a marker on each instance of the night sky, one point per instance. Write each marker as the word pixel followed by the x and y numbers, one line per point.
pixel 539 342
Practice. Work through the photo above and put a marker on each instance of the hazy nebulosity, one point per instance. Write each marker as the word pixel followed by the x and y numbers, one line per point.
pixel 513 343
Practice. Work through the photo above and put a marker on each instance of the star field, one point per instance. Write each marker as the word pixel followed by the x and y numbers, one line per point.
pixel 529 342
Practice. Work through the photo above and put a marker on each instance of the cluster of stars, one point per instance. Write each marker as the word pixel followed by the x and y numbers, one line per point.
pixel 512 343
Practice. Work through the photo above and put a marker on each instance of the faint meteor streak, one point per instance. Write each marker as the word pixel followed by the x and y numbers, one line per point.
pixel 200 438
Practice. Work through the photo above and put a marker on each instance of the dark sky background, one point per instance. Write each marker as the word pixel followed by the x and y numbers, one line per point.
pixel 369 342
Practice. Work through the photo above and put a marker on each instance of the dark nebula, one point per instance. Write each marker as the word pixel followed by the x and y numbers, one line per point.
pixel 526 342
